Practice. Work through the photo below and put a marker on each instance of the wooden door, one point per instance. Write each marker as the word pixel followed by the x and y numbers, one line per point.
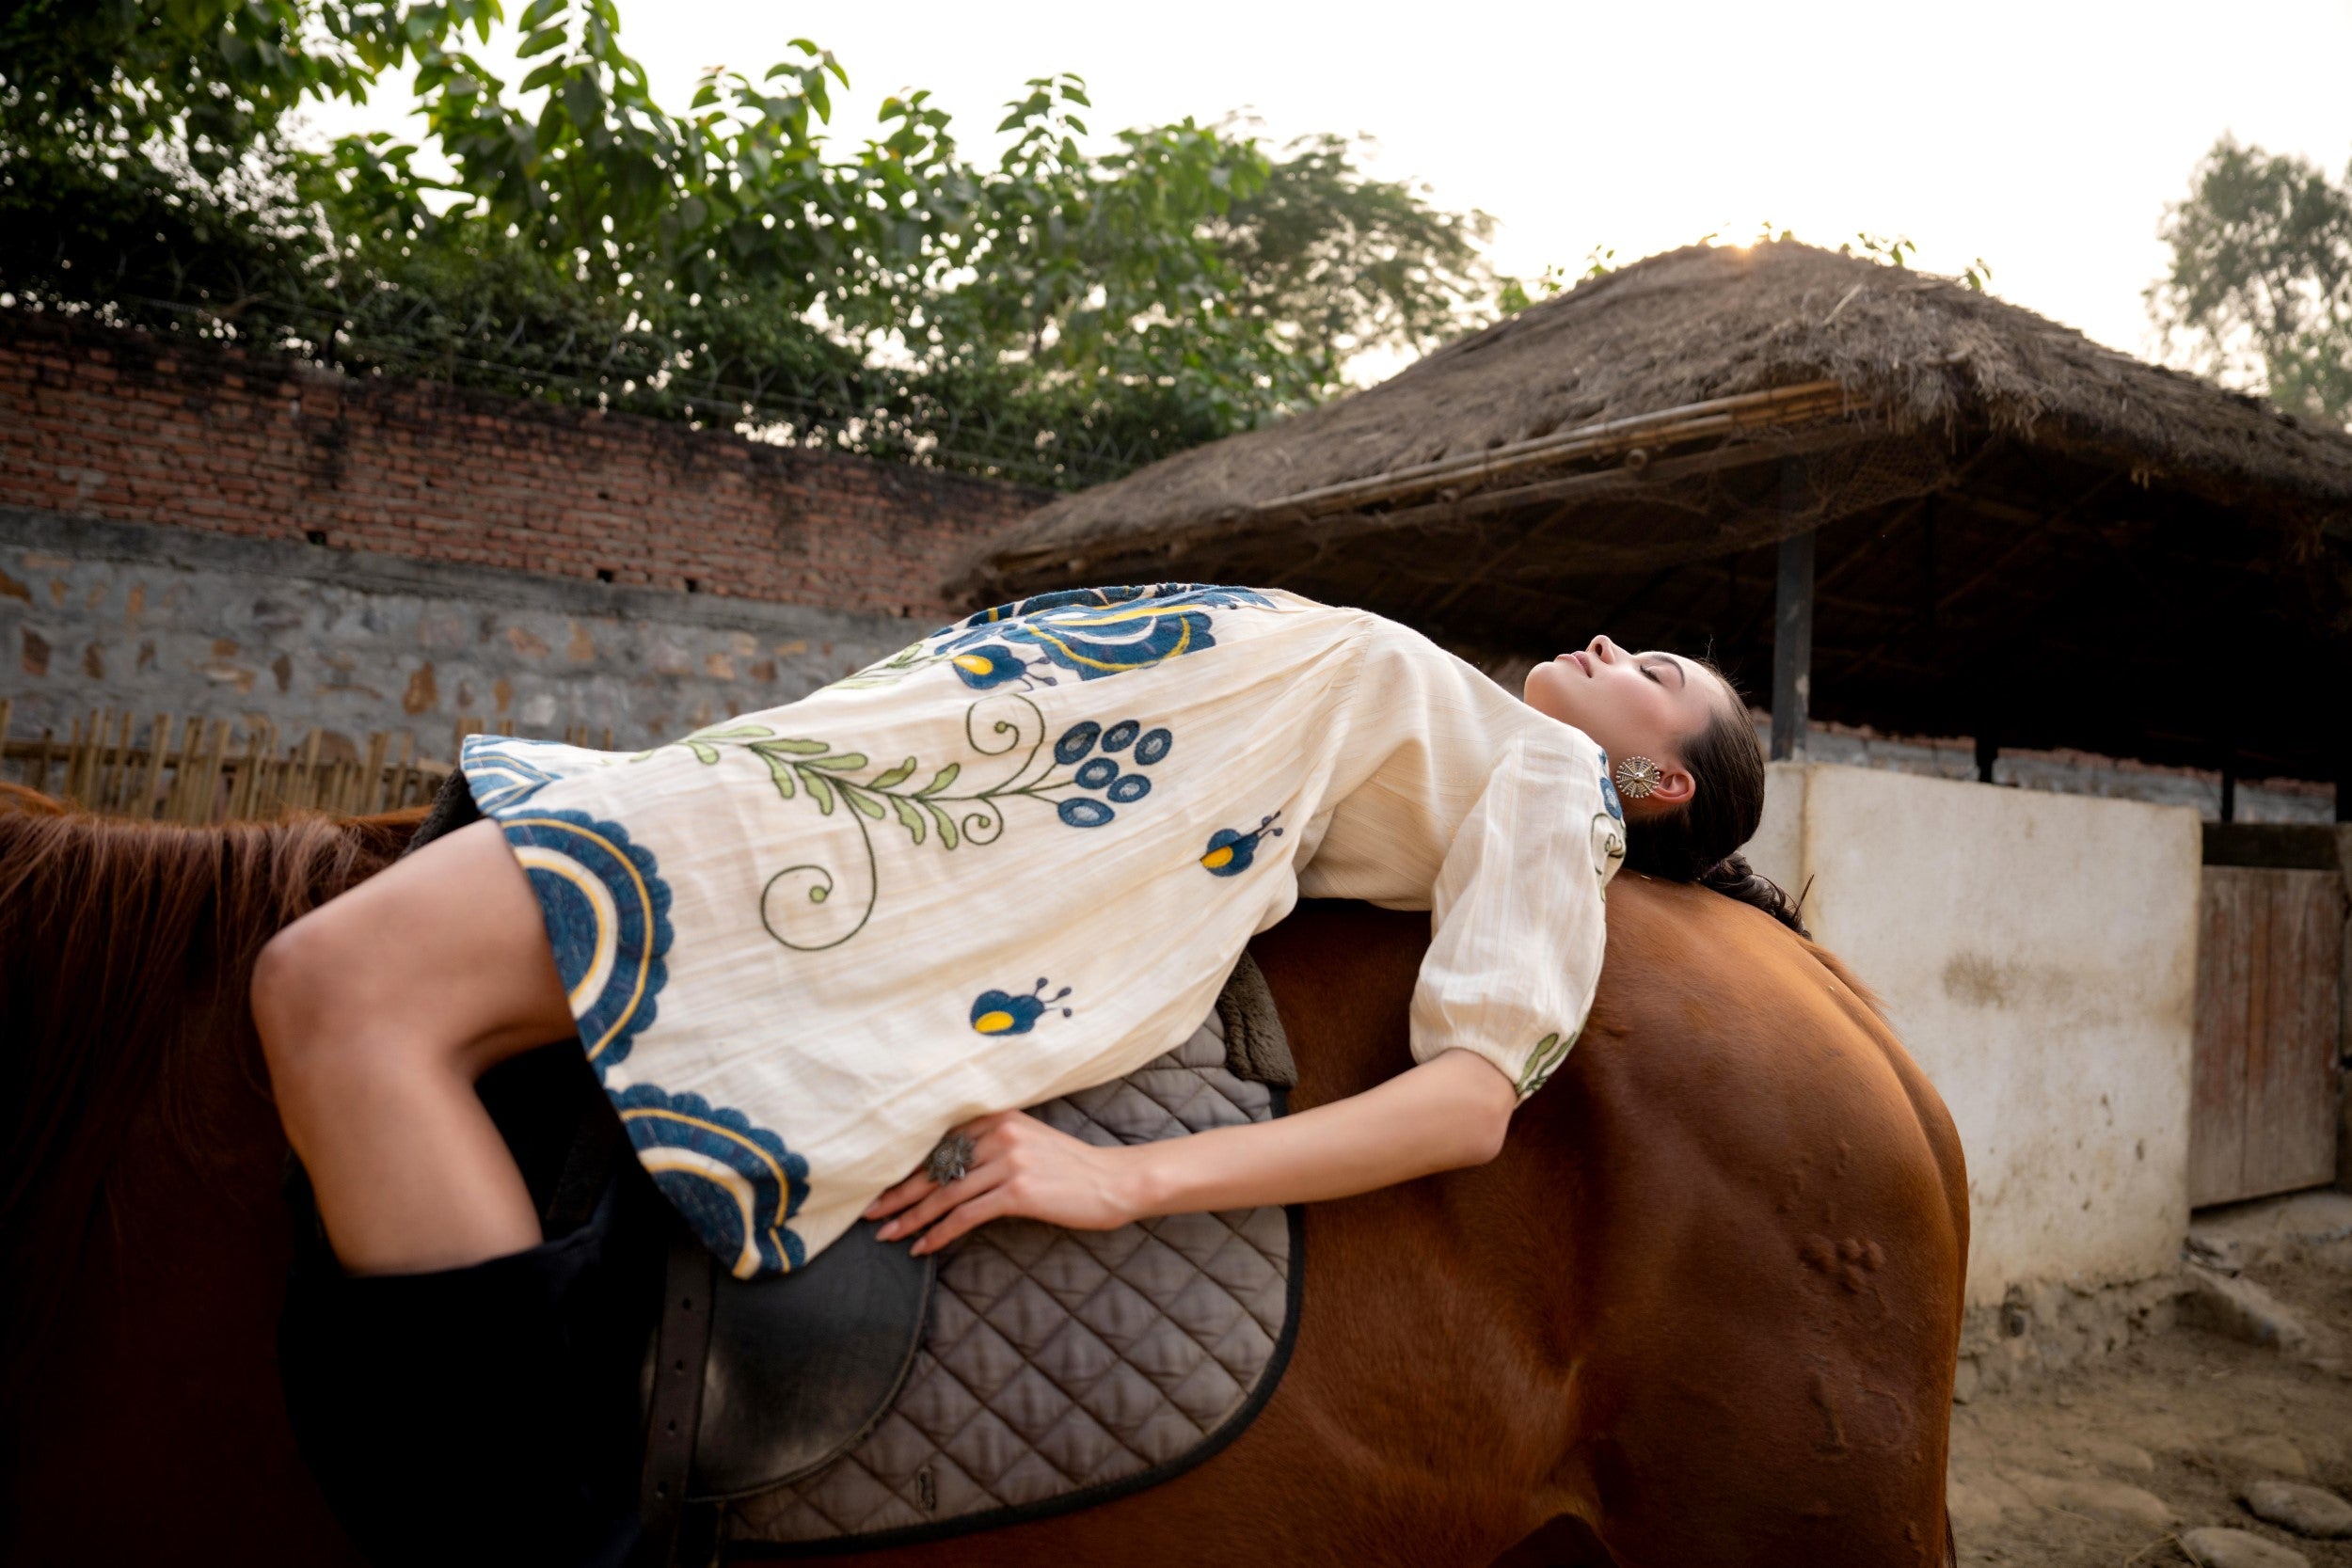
pixel 2262 1111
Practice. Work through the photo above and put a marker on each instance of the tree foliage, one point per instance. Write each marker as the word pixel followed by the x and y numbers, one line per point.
pixel 1064 312
pixel 2259 291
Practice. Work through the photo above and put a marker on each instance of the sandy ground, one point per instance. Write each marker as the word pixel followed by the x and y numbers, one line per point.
pixel 2108 1464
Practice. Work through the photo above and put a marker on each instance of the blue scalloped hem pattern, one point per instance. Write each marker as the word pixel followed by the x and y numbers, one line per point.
pixel 608 917
pixel 735 1182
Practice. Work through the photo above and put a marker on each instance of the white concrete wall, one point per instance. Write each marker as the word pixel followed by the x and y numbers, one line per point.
pixel 2037 954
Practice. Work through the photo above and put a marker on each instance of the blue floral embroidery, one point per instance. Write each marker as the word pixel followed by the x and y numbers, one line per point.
pixel 1231 852
pixel 1100 772
pixel 983 667
pixel 608 917
pixel 1092 632
pixel 1609 790
pixel 948 810
pixel 501 772
pixel 998 1012
pixel 735 1182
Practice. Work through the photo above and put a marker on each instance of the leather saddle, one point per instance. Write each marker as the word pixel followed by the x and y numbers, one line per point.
pixel 745 1383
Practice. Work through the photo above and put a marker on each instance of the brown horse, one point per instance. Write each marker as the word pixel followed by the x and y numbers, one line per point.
pixel 1703 1310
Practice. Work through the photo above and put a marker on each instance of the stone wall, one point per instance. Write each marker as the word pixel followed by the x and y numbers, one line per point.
pixel 186 529
pixel 122 615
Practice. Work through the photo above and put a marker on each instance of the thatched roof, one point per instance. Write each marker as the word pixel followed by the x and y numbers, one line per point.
pixel 1993 496
pixel 1910 353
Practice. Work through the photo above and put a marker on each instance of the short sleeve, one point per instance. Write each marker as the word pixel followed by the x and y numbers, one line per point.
pixel 1517 912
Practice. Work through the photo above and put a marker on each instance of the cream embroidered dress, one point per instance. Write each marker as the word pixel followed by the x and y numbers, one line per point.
pixel 1019 858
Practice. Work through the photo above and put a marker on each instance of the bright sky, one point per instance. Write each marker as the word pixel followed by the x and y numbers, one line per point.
pixel 2045 135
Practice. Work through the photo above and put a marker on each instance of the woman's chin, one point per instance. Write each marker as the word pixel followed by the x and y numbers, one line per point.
pixel 1544 691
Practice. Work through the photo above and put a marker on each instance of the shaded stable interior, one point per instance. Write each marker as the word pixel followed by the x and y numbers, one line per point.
pixel 2037 601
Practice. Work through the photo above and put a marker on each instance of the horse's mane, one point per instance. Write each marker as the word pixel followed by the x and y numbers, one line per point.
pixel 126 948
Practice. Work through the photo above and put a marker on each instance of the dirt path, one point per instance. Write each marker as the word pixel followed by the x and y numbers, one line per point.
pixel 2108 1464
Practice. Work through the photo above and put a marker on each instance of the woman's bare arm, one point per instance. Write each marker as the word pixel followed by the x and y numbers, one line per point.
pixel 1446 1112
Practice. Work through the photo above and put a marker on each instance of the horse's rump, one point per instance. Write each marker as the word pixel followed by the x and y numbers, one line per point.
pixel 1759 1168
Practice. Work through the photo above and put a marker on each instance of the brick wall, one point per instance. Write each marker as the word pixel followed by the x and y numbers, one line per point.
pixel 120 426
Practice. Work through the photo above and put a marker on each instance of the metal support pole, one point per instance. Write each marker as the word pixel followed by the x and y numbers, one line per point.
pixel 1792 628
pixel 2342 748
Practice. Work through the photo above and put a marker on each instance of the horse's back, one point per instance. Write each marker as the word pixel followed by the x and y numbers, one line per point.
pixel 1706 1299
pixel 1768 1228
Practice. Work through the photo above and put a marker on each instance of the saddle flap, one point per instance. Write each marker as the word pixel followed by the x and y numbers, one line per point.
pixel 800 1366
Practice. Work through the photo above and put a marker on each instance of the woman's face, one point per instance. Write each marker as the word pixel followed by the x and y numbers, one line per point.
pixel 1633 704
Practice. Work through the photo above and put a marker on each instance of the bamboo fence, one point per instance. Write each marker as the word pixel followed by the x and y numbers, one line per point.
pixel 194 769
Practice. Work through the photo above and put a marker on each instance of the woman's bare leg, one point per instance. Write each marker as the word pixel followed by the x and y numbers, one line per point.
pixel 377 1012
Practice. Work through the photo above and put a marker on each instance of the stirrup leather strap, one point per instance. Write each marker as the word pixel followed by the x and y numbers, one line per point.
pixel 682 1344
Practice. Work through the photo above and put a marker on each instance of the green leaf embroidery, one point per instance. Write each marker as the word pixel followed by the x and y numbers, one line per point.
pixel 820 789
pixel 909 817
pixel 865 803
pixel 946 823
pixel 846 762
pixel 780 773
pixel 942 778
pixel 798 748
pixel 704 752
pixel 1549 1053
pixel 896 775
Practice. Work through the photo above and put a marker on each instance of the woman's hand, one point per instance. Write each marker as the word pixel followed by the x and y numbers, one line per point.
pixel 1443 1115
pixel 1019 1166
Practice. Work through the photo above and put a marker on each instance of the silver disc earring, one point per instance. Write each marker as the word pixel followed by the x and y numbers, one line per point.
pixel 1638 778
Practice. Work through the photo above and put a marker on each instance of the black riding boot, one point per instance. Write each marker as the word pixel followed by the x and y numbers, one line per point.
pixel 485 1414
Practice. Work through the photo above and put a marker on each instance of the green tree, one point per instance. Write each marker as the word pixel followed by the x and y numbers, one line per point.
pixel 1061 314
pixel 2259 291
pixel 1345 262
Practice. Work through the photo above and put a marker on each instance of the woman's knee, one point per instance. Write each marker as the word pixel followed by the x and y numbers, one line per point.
pixel 304 991
pixel 440 961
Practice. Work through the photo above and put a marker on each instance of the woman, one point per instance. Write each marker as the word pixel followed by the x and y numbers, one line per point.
pixel 1017 858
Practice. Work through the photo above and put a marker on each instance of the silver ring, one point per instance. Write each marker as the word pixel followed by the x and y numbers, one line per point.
pixel 952 1162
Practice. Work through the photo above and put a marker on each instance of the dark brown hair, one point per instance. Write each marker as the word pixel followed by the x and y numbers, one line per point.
pixel 1699 842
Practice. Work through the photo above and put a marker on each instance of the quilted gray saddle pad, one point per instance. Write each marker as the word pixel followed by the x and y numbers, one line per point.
pixel 1063 1367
